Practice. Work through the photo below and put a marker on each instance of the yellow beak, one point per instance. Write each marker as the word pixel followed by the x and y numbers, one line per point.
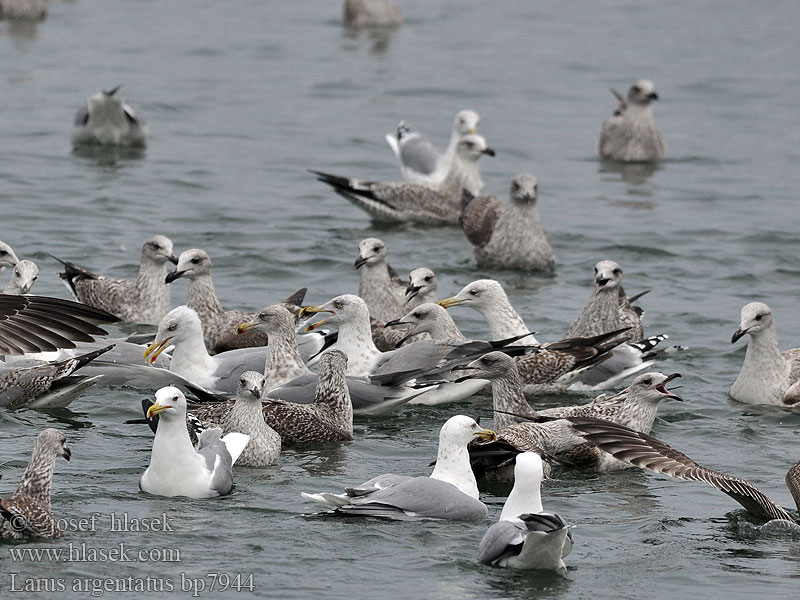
pixel 157 408
pixel 313 326
pixel 244 327
pixel 485 434
pixel 310 310
pixel 473 130
pixel 448 302
pixel 156 348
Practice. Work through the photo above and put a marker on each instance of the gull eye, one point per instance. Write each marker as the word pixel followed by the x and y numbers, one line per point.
pixel 376 248
pixel 417 315
pixel 427 278
pixel 617 271
pixel 636 89
pixel 3 252
pixel 16 272
pixel 242 382
pixel 262 316
pixel 473 292
pixel 338 304
pixel 174 398
pixel 647 381
pixel 195 260
pixel 758 317
pixel 172 327
pixel 474 425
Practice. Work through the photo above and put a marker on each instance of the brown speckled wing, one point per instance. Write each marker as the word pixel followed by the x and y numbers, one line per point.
pixel 479 217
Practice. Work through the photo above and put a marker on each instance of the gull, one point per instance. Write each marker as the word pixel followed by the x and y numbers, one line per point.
pixel 23 10
pixel 26 513
pixel 179 469
pixel 508 236
pixel 450 492
pixel 420 162
pixel 630 135
pixel 526 537
pixel 641 450
pixel 107 120
pixel 219 325
pixel 415 202
pixel 141 300
pixel 429 318
pixel 23 276
pixel 422 287
pixel 378 284
pixel 371 13
pixel 767 376
pixel 7 256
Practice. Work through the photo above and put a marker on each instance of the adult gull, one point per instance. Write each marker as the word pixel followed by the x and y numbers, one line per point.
pixel 107 120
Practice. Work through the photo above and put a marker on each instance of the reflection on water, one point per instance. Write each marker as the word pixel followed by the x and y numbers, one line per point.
pixel 378 38
pixel 108 156
pixel 632 173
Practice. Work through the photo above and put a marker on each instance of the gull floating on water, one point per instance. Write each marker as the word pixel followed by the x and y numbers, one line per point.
pixel 107 120
pixel 179 469
pixel 508 236
pixel 142 300
pixel 7 256
pixel 379 285
pixel 630 135
pixel 526 537
pixel 26 513
pixel 767 376
pixel 23 10
pixel 450 492
pixel 23 276
pixel 420 162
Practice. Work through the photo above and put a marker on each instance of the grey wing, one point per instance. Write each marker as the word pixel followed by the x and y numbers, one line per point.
pixel 299 390
pixel 418 154
pixel 218 460
pixel 501 539
pixel 478 218
pixel 793 358
pixel 233 363
pixel 612 136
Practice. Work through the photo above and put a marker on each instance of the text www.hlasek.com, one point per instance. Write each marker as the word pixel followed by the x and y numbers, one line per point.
pixel 83 553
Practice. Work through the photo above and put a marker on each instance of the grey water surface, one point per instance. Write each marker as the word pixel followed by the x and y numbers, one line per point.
pixel 243 96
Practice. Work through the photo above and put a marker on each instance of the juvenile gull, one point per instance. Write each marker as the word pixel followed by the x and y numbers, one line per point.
pixel 449 493
pixel 508 236
pixel 767 376
pixel 179 469
pixel 420 162
pixel 641 450
pixel 141 300
pixel 371 13
pixel 23 276
pixel 422 288
pixel 431 319
pixel 526 537
pixel 415 202
pixel 26 513
pixel 107 120
pixel 23 10
pixel 219 325
pixel 379 285
pixel 630 135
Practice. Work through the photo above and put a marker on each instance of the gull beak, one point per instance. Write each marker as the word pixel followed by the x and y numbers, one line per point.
pixel 448 302
pixel 173 259
pixel 360 262
pixel 155 349
pixel 173 275
pixel 662 387
pixel 395 322
pixel 156 409
pixel 737 334
pixel 309 310
pixel 486 434
pixel 653 96
pixel 412 291
pixel 488 151
pixel 601 282
pixel 473 131
pixel 243 328
pixel 66 453
pixel 473 372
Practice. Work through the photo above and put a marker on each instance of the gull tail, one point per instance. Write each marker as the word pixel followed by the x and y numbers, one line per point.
pixel 72 274
pixel 236 443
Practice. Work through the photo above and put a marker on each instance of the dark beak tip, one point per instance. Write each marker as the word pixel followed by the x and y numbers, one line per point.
pixel 489 151
pixel 173 259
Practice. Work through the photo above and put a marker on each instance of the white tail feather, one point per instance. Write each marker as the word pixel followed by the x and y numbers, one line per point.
pixel 236 443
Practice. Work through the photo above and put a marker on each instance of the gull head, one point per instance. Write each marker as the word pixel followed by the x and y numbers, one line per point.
pixel 23 277
pixel 482 294
pixel 191 263
pixel 755 317
pixel 170 403
pixel 371 251
pixel 652 387
pixel 7 256
pixel 492 365
pixel 460 430
pixel 250 385
pixel 524 189
pixel 180 325
pixel 158 249
pixel 471 147
pixel 421 281
pixel 466 121
pixel 642 92
pixel 607 276
pixel 272 319
pixel 53 442
pixel 529 468
pixel 344 309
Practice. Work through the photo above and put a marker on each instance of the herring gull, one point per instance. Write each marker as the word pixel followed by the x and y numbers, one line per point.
pixel 141 300
pixel 23 10
pixel 107 120
pixel 371 13
pixel 379 285
pixel 23 276
pixel 177 468
pixel 450 492
pixel 26 513
pixel 630 135
pixel 526 537
pixel 422 287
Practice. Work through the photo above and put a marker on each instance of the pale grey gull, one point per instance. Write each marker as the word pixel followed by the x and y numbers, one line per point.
pixel 378 284
pixel 371 13
pixel 107 120
pixel 630 134
pixel 422 287
pixel 641 450
pixel 142 300
pixel 450 492
pixel 27 513
pixel 767 376
pixel 508 236
pixel 177 468
pixel 23 276
pixel 420 162
pixel 526 537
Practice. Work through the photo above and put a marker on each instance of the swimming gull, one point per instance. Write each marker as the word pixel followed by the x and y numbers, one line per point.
pixel 35 384
pixel 107 120
pixel 371 13
pixel 420 162
pixel 141 300
pixel 23 10
pixel 378 284
pixel 508 236
pixel 449 493
pixel 179 469
pixel 219 325
pixel 415 202
pixel 422 287
pixel 641 450
pixel 526 537
pixel 7 256
pixel 630 134
pixel 26 513
pixel 23 276
pixel 767 376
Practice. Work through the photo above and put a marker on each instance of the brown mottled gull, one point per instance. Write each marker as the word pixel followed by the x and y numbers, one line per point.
pixel 26 513
pixel 141 300
pixel 641 450
pixel 630 135
pixel 508 236
pixel 23 276
pixel 767 376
